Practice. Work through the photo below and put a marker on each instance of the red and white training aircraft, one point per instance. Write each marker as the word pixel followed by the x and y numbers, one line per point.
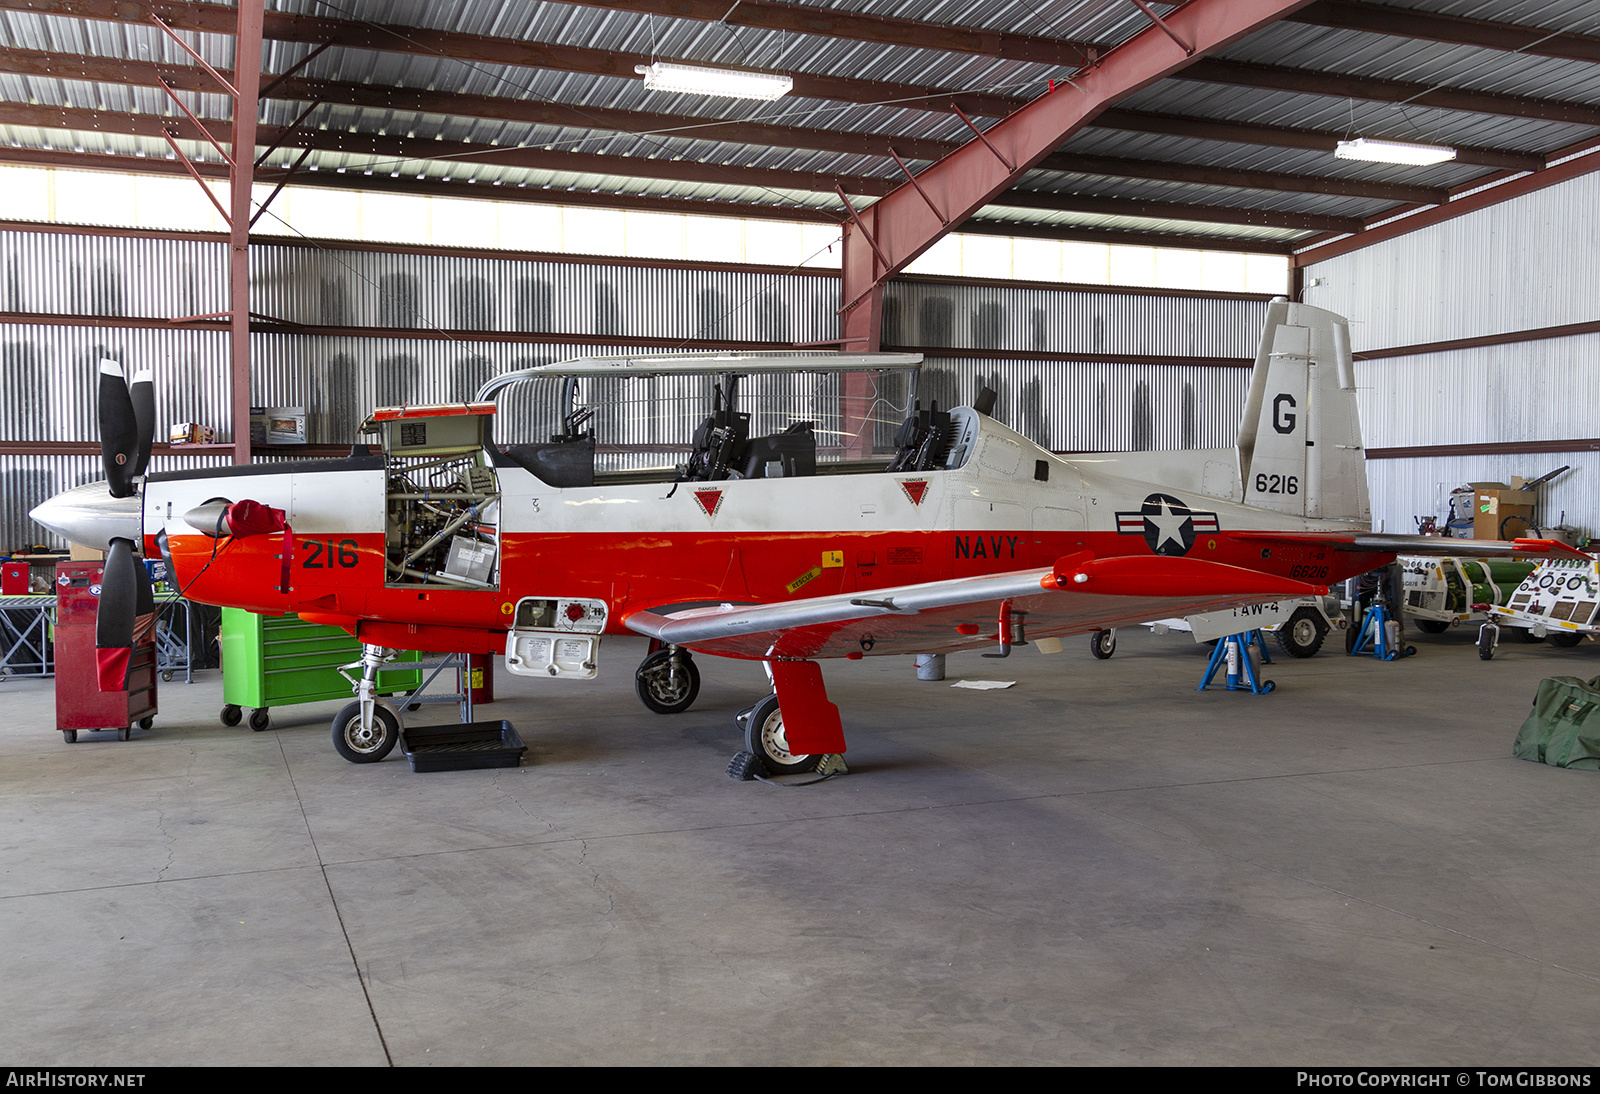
pixel 963 535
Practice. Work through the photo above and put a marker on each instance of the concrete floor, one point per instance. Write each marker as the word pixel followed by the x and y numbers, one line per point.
pixel 1098 865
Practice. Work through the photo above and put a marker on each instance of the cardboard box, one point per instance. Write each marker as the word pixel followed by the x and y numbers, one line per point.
pixel 277 425
pixel 77 552
pixel 1496 505
pixel 191 433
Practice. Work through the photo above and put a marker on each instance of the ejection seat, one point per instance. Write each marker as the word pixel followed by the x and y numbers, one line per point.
pixel 566 461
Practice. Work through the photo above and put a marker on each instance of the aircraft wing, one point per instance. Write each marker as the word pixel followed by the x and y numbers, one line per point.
pixel 1077 595
pixel 1432 546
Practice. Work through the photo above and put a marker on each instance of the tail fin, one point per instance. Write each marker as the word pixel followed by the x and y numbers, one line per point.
pixel 1300 448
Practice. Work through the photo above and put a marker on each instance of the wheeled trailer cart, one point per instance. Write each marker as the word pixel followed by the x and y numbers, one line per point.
pixel 276 661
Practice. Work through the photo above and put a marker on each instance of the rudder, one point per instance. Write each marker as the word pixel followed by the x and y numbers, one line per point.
pixel 1300 449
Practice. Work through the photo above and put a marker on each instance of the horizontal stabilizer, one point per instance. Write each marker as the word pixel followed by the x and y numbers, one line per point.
pixel 1156 575
pixel 1430 546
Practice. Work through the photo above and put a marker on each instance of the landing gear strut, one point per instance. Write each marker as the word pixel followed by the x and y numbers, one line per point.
pixel 366 730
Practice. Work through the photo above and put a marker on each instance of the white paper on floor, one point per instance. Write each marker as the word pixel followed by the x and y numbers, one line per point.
pixel 983 685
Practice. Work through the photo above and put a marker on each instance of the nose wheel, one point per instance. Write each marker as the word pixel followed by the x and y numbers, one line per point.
pixel 369 744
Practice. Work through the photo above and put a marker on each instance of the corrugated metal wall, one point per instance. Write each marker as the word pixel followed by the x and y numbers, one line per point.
pixel 987 316
pixel 1072 406
pixel 1528 263
pixel 47 370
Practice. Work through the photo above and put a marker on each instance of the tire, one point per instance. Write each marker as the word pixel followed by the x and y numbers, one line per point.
pixel 1103 644
pixel 1485 646
pixel 763 735
pixel 231 715
pixel 147 724
pixel 347 737
pixel 1564 639
pixel 260 719
pixel 1529 636
pixel 1302 634
pixel 166 677
pixel 70 736
pixel 1352 635
pixel 1433 626
pixel 653 681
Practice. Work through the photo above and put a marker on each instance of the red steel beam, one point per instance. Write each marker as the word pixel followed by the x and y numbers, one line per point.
pixel 1373 89
pixel 739 131
pixel 393 149
pixel 878 29
pixel 397 38
pixel 1453 29
pixel 903 225
pixel 247 80
pixel 1481 199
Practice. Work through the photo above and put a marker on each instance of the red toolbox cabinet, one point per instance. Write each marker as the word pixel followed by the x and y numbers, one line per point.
pixel 14 579
pixel 80 704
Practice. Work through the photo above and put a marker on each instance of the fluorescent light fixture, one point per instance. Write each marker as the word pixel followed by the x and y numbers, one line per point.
pixel 691 80
pixel 1393 152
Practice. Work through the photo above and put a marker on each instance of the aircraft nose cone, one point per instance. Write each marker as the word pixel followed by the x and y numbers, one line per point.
pixel 89 515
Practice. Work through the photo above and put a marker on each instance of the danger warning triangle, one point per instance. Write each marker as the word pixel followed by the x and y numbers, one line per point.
pixel 914 489
pixel 710 501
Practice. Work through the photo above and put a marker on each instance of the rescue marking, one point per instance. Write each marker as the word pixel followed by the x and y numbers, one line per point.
pixel 804 579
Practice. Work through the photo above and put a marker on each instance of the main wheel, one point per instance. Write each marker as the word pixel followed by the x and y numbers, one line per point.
pixel 1433 626
pixel 368 747
pixel 658 691
pixel 231 715
pixel 1302 635
pixel 1565 639
pixel 764 736
pixel 1103 644
pixel 260 719
pixel 1485 644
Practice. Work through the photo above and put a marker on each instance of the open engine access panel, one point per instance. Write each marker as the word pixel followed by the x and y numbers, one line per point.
pixel 442 509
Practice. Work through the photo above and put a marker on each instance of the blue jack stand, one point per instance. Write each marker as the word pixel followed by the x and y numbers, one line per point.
pixel 1242 674
pixel 1372 637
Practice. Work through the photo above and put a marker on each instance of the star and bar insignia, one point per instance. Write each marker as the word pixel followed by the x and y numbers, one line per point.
pixel 1168 525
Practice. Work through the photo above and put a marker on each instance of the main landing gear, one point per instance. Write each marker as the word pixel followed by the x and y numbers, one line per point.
pixel 667 680
pixel 794 731
pixel 764 738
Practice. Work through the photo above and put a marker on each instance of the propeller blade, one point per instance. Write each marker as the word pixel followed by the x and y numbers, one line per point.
pixel 119 429
pixel 114 622
pixel 126 617
pixel 143 393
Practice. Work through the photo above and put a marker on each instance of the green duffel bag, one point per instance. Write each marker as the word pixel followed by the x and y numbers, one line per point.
pixel 1564 728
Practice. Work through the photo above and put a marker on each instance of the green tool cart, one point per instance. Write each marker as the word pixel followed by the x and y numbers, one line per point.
pixel 274 661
